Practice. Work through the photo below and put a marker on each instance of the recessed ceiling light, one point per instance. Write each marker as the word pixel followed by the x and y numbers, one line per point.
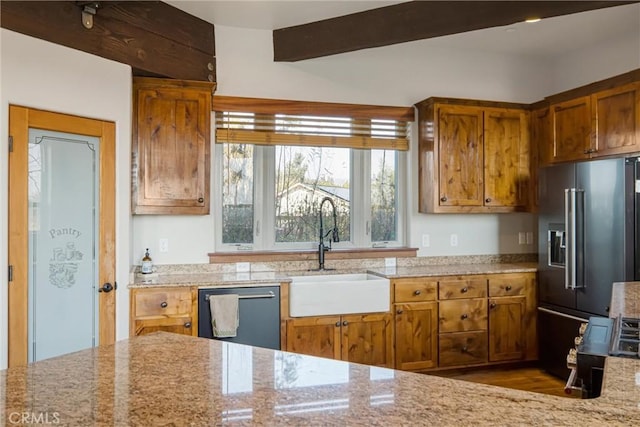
pixel 532 20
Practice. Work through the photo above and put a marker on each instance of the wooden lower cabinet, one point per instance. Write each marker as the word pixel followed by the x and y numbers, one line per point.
pixel 176 324
pixel 457 321
pixel 315 336
pixel 416 335
pixel 164 309
pixel 365 338
pixel 463 348
pixel 506 328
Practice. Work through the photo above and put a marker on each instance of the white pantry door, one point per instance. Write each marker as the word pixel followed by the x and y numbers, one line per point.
pixel 61 239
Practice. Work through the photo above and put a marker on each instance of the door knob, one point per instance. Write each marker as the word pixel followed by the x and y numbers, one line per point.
pixel 107 287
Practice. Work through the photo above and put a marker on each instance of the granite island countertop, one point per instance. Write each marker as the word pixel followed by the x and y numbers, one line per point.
pixel 170 379
pixel 258 278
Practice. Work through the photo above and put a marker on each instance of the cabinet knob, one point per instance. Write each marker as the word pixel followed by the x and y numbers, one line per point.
pixel 337 323
pixel 187 325
pixel 443 198
pixel 464 349
pixel 487 200
pixel 400 311
pixel 345 323
pixel 589 151
pixel 464 290
pixel 201 200
pixel 464 316
pixel 508 287
pixel 417 292
pixel 492 305
pixel 163 304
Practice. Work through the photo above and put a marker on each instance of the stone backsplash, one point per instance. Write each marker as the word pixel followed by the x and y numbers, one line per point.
pixel 348 264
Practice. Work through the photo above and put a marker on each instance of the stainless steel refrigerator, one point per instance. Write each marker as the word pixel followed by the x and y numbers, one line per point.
pixel 588 238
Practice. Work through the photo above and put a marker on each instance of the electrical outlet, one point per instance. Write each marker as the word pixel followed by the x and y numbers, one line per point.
pixel 454 240
pixel 426 242
pixel 243 267
pixel 522 238
pixel 163 245
pixel 529 237
pixel 389 262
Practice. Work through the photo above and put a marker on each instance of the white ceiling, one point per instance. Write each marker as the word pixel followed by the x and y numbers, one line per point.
pixel 549 37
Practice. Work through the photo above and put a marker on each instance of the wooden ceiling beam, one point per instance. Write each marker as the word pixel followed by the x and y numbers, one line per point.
pixel 154 38
pixel 414 20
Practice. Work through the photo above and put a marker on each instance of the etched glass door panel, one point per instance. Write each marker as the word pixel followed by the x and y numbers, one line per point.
pixel 63 243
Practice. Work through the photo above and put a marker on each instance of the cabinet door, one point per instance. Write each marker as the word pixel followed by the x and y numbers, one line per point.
pixel 315 336
pixel 416 335
pixel 171 148
pixel 506 328
pixel 176 324
pixel 368 339
pixel 506 158
pixel 571 127
pixel 617 117
pixel 460 164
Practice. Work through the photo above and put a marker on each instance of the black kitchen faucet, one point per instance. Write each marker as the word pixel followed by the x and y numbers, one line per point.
pixel 334 233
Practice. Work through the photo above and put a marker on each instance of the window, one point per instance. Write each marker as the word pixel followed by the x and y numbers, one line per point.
pixel 276 169
pixel 305 176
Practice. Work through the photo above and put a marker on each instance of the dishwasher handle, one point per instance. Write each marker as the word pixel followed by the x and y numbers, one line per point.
pixel 269 294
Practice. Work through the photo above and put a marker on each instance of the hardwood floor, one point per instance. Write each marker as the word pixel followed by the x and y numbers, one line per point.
pixel 529 379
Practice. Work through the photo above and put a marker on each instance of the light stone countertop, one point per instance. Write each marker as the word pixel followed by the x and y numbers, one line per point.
pixel 170 379
pixel 270 277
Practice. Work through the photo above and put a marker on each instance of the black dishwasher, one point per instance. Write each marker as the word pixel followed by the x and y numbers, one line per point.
pixel 259 315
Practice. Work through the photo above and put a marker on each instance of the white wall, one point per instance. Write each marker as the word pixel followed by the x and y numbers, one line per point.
pixel 598 62
pixel 38 74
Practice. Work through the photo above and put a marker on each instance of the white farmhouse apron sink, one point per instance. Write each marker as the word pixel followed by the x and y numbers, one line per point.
pixel 327 294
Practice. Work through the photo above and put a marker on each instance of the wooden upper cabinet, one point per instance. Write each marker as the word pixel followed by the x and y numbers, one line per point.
pixel 171 146
pixel 507 168
pixel 460 149
pixel 571 127
pixel 602 123
pixel 616 116
pixel 474 156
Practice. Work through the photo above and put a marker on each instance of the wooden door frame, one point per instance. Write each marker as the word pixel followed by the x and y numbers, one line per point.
pixel 20 120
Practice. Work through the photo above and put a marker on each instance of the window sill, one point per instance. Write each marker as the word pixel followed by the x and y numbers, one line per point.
pixel 272 256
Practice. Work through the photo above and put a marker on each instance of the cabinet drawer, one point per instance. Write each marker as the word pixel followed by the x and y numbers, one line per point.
pixel 163 302
pixel 507 286
pixel 466 348
pixel 415 290
pixel 463 315
pixel 470 288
